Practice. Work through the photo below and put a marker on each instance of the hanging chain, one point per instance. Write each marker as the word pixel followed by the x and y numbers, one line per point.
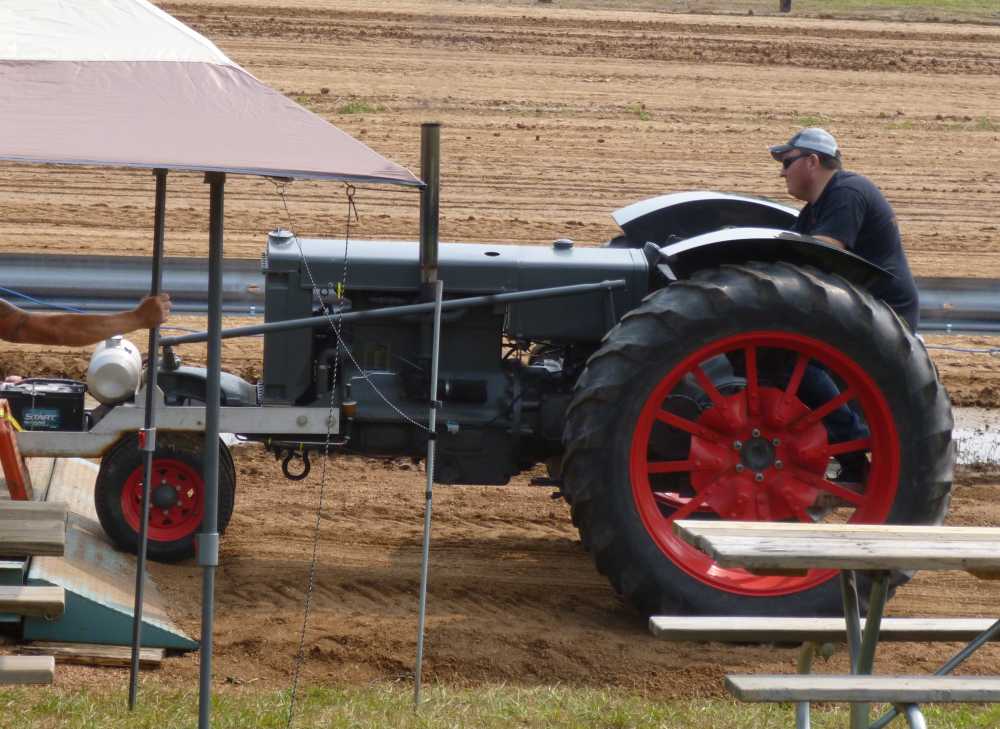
pixel 311 585
pixel 336 325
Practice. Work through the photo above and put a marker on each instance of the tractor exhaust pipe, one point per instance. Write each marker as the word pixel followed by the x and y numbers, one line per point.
pixel 430 166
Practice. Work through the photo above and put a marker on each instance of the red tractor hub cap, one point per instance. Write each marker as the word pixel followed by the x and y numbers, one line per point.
pixel 176 500
pixel 756 452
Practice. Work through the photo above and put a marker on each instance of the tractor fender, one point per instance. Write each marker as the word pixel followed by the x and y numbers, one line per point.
pixel 739 245
pixel 680 215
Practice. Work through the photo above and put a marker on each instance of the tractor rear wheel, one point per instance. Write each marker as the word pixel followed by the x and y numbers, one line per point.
pixel 177 498
pixel 702 404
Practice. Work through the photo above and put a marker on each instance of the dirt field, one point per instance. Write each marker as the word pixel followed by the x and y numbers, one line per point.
pixel 553 117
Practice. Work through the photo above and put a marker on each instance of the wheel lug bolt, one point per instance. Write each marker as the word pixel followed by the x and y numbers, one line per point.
pixel 779 465
pixel 758 477
pixel 776 442
pixel 755 433
pixel 739 468
pixel 737 445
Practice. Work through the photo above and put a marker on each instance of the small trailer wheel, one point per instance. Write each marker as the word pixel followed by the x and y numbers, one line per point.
pixel 176 500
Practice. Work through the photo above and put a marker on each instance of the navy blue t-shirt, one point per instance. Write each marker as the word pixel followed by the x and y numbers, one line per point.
pixel 852 210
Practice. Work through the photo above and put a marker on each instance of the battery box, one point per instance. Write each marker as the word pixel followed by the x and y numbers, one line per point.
pixel 40 404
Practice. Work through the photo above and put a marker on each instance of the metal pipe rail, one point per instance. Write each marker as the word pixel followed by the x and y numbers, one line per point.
pixel 109 283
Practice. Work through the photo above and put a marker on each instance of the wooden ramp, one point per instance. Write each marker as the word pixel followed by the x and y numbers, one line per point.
pixel 99 582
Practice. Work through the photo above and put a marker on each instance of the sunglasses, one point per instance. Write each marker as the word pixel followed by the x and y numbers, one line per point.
pixel 789 161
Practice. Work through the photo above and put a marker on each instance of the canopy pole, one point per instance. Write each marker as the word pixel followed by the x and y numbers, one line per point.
pixel 429 492
pixel 430 166
pixel 208 538
pixel 147 438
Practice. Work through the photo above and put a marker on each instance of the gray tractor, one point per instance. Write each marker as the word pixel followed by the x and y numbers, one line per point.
pixel 666 384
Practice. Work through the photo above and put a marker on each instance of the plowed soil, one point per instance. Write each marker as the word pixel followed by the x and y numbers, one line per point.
pixel 553 116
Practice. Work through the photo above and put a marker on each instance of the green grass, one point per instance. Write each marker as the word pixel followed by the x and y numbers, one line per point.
pixel 359 107
pixel 391 705
pixel 986 124
pixel 813 120
pixel 638 109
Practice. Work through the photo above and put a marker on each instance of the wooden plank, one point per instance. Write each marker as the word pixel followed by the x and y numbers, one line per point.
pixel 95 655
pixel 882 532
pixel 749 545
pixel 27 669
pixel 43 538
pixel 823 630
pixel 887 689
pixel 36 600
pixel 31 511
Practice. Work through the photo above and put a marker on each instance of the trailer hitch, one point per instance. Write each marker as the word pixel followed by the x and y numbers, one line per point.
pixel 306 466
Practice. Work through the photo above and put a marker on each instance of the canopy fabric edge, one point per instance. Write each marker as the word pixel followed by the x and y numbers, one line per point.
pixel 273 174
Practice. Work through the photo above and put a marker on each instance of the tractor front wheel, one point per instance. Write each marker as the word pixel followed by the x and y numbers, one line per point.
pixel 761 392
pixel 177 496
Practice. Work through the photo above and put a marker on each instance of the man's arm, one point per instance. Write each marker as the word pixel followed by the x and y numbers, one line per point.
pixel 77 330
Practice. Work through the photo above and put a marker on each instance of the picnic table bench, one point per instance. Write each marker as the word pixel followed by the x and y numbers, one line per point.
pixel 31 528
pixel 769 548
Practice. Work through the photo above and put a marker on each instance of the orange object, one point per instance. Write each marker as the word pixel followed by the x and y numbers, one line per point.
pixel 15 470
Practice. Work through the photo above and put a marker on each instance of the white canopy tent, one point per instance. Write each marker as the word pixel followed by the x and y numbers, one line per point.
pixel 121 83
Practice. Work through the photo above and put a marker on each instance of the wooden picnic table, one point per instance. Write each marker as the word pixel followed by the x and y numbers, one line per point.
pixel 782 549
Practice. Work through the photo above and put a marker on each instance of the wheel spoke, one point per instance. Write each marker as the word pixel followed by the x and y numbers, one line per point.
pixel 688 426
pixel 845 494
pixel 796 379
pixel 669 467
pixel 823 410
pixel 849 446
pixel 694 503
pixel 753 387
pixel 708 387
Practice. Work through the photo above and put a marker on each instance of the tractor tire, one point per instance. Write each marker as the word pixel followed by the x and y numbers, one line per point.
pixel 691 409
pixel 173 523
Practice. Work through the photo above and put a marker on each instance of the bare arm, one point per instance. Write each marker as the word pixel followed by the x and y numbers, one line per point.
pixel 76 330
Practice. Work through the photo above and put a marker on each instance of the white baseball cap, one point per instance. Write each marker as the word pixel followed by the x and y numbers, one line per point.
pixel 811 139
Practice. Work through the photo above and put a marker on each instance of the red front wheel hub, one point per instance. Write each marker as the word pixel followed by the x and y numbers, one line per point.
pixel 748 447
pixel 176 500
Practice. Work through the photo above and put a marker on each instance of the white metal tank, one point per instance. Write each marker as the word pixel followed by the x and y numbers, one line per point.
pixel 115 370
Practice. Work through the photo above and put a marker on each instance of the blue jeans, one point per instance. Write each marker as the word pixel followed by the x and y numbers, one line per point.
pixel 818 388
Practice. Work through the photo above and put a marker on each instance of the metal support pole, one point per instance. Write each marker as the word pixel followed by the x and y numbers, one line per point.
pixel 429 494
pixel 148 440
pixel 430 172
pixel 806 653
pixel 865 659
pixel 852 615
pixel 208 538
pixel 395 312
pixel 914 717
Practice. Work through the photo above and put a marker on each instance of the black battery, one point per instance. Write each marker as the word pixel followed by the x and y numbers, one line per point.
pixel 42 404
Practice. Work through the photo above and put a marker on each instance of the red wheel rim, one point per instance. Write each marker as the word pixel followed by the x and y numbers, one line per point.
pixel 791 451
pixel 177 514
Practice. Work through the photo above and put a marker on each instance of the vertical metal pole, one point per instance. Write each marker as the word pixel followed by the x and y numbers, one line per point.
pixel 429 494
pixel 806 653
pixel 869 642
pixel 430 172
pixel 208 539
pixel 852 615
pixel 148 441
